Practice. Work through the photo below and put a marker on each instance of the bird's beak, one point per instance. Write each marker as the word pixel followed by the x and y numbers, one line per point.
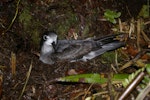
pixel 54 45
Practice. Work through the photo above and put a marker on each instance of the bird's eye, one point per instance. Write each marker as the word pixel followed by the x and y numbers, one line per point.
pixel 45 37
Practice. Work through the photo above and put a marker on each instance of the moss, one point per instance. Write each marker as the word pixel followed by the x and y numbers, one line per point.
pixel 30 27
pixel 108 57
pixel 25 18
pixel 35 37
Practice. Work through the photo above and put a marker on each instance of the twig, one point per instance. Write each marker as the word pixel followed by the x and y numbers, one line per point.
pixel 27 79
pixel 128 11
pixel 114 69
pixel 146 38
pixel 140 54
pixel 13 64
pixel 144 92
pixel 131 27
pixel 16 13
pixel 132 86
pixel 120 25
pixel 148 22
pixel 138 33
pixel 86 92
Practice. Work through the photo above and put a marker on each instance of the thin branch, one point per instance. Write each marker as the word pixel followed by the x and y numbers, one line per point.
pixel 27 79
pixel 16 13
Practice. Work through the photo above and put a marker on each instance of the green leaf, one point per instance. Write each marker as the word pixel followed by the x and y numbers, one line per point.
pixel 120 77
pixel 146 79
pixel 84 78
pixel 148 68
pixel 144 12
pixel 92 78
pixel 111 15
pixel 132 76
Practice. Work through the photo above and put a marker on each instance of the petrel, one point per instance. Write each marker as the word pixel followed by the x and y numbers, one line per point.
pixel 54 50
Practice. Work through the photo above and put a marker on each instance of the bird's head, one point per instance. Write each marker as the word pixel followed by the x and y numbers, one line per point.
pixel 49 38
pixel 48 44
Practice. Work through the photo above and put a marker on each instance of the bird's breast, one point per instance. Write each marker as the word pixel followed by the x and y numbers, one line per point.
pixel 47 49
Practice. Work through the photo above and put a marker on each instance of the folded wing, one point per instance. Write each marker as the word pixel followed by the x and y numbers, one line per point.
pixel 76 50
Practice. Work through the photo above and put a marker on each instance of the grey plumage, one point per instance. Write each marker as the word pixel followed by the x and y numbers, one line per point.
pixel 53 50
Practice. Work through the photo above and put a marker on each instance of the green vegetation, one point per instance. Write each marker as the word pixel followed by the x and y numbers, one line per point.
pixel 144 11
pixel 25 18
pixel 93 78
pixel 146 79
pixel 111 15
pixel 30 26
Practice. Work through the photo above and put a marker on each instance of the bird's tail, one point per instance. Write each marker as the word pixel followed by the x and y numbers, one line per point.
pixel 115 38
pixel 107 43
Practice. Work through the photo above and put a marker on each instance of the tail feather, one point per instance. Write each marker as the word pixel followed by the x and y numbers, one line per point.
pixel 108 39
pixel 107 43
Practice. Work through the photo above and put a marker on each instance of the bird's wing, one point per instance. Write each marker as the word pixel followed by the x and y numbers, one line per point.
pixel 107 43
pixel 63 44
pixel 84 50
pixel 73 49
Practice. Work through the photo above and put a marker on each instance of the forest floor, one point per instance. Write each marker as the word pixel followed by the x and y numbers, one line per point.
pixel 24 77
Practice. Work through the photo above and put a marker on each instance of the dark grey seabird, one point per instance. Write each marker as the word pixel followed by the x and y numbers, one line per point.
pixel 54 50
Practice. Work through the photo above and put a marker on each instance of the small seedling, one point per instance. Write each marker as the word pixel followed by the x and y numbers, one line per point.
pixel 111 15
